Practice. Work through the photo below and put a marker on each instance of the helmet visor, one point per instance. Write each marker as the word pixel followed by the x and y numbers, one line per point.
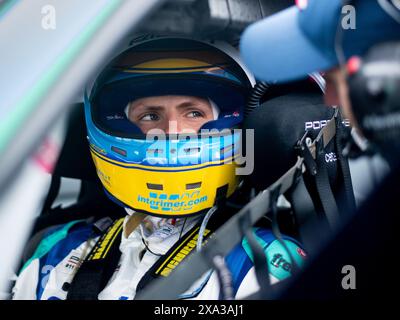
pixel 148 71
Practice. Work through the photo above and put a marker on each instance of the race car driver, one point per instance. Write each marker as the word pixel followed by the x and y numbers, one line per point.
pixel 144 117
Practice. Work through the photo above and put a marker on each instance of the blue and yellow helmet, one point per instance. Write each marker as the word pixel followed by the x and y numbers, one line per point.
pixel 171 175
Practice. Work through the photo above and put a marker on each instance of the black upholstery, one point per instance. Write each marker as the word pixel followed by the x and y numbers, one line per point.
pixel 75 162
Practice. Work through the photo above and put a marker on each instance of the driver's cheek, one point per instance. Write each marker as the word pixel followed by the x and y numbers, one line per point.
pixel 192 124
pixel 146 126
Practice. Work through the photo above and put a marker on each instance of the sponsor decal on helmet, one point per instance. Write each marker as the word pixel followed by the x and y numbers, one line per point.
pixel 172 202
pixel 115 117
pixel 98 149
pixel 104 178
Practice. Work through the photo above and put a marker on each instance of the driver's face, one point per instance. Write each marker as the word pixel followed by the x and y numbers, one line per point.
pixel 172 114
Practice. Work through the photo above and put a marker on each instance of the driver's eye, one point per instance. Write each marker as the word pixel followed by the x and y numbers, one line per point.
pixel 149 117
pixel 194 114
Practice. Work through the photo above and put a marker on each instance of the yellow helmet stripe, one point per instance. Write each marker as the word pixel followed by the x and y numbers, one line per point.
pixel 170 65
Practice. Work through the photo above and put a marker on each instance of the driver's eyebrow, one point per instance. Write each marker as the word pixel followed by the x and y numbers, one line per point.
pixel 143 107
pixel 188 104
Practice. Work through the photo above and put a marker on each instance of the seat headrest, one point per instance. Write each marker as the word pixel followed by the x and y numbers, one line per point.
pixel 278 124
pixel 75 160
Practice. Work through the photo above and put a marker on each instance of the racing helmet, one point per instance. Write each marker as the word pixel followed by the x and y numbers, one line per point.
pixel 167 175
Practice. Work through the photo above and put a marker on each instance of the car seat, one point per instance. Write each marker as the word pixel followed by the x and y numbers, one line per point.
pixel 281 120
pixel 74 162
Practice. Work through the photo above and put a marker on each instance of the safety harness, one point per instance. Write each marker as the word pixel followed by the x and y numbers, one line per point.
pixel 240 225
pixel 96 270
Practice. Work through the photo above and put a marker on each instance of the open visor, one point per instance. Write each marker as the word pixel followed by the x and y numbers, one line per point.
pixel 150 70
pixel 108 108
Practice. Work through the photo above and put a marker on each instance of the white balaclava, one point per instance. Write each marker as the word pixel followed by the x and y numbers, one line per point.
pixel 215 109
